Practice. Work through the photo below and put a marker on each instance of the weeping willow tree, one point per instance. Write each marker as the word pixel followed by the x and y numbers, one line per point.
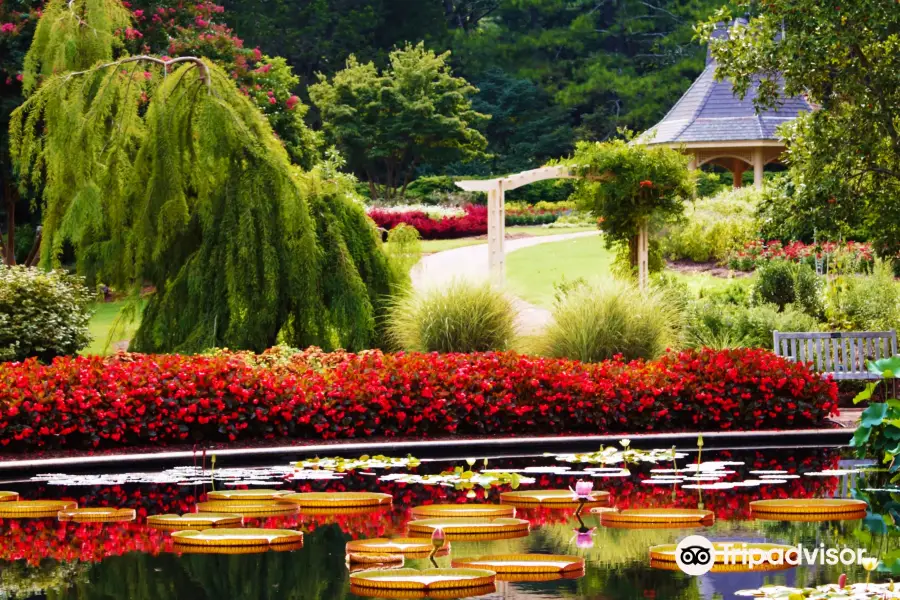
pixel 160 172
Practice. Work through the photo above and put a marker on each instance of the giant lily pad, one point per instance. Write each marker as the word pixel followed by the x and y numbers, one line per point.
pixel 427 579
pixel 463 510
pixel 238 537
pixel 34 509
pixel 199 520
pixel 462 529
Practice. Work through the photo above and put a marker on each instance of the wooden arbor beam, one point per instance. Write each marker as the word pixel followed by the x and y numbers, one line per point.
pixel 496 190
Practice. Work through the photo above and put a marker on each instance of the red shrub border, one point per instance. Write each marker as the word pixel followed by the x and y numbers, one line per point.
pixel 133 399
pixel 473 222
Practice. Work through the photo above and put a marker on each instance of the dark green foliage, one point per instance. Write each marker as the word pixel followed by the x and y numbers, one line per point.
pixel 774 284
pixel 42 314
pixel 369 114
pixel 844 56
pixel 723 325
pixel 526 128
pixel 193 194
pixel 431 189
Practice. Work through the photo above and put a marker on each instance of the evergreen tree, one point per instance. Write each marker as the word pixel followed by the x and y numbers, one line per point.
pixel 160 171
pixel 387 123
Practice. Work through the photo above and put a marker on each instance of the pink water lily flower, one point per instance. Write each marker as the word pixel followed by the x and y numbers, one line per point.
pixel 583 489
pixel 438 538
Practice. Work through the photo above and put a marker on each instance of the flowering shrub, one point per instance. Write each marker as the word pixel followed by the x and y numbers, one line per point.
pixel 129 400
pixel 858 255
pixel 473 221
pixel 437 222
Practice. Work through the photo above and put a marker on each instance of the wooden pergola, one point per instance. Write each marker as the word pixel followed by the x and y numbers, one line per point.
pixel 496 191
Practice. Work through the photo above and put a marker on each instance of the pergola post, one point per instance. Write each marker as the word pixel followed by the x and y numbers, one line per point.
pixel 496 191
pixel 496 234
pixel 643 256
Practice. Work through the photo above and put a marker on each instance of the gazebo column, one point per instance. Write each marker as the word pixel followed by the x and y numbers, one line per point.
pixel 758 164
pixel 737 172
pixel 496 234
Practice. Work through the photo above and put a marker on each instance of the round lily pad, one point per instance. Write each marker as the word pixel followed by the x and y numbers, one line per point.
pixel 552 498
pixel 34 509
pixel 431 594
pixel 637 518
pixel 406 546
pixel 249 509
pixel 97 515
pixel 470 529
pixel 337 499
pixel 463 510
pixel 522 563
pixel 198 520
pixel 245 495
pixel 427 579
pixel 238 537
pixel 807 508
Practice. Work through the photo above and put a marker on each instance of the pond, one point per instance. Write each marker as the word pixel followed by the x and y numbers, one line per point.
pixel 65 560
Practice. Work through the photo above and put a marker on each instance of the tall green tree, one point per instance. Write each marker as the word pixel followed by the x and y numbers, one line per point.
pixel 318 36
pixel 160 171
pixel 387 123
pixel 612 64
pixel 526 128
pixel 844 158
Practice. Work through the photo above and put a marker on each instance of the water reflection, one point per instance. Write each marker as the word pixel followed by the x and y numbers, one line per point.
pixel 131 560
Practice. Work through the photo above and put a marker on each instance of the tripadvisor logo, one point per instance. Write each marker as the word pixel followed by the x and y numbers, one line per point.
pixel 696 555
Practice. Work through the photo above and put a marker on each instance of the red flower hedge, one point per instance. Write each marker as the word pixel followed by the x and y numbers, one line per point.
pixel 135 399
pixel 473 222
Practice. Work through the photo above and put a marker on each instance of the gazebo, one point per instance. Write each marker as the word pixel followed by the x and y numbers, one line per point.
pixel 716 127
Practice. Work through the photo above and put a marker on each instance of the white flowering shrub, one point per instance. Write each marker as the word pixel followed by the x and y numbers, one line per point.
pixel 42 313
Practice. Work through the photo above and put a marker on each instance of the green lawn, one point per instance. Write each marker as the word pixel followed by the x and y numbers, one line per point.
pixel 432 246
pixel 102 323
pixel 532 272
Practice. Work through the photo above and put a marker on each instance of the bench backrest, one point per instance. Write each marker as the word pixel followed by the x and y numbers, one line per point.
pixel 842 354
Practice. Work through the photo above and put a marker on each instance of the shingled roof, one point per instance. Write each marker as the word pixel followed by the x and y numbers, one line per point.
pixel 710 112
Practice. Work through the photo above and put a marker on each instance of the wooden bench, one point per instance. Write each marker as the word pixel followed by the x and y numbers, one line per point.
pixel 842 355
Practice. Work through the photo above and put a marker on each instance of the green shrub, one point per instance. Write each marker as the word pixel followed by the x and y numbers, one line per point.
pixel 774 284
pixel 722 325
pixel 598 321
pixel 714 227
pixel 403 249
pixel 865 303
pixel 808 290
pixel 464 317
pixel 430 185
pixel 42 314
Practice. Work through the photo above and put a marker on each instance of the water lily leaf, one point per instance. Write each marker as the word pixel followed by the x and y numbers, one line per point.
pixel 866 393
pixel 874 414
pixel 886 367
pixel 860 436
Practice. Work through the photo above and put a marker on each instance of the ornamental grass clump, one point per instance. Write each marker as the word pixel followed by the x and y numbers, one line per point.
pixel 464 317
pixel 598 321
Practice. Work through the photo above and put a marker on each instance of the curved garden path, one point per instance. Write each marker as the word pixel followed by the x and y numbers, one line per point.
pixel 471 262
